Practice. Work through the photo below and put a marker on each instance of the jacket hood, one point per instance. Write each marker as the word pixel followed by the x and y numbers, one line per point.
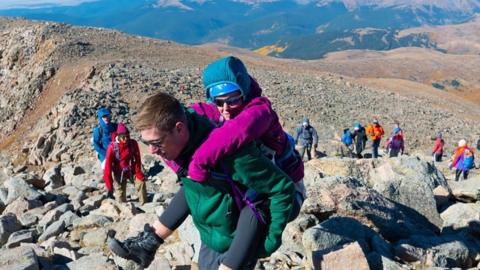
pixel 110 127
pixel 103 112
pixel 228 69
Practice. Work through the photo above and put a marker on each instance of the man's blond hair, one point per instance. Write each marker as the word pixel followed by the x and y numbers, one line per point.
pixel 162 111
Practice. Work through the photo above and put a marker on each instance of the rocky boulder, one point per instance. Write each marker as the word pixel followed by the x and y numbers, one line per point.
pixel 344 258
pixel 466 190
pixel 20 258
pixel 53 178
pixel 349 197
pixel 410 181
pixel 459 215
pixel 8 225
pixel 357 168
pixel 17 187
pixel 449 251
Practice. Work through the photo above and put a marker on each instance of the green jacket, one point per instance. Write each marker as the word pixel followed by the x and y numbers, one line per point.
pixel 213 209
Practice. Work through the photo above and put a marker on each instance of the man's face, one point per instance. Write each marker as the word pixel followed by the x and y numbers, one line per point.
pixel 166 144
pixel 106 119
pixel 230 105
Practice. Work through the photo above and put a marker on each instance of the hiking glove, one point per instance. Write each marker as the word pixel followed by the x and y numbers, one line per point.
pixel 110 194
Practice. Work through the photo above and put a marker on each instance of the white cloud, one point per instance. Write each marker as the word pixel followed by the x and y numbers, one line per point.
pixel 10 4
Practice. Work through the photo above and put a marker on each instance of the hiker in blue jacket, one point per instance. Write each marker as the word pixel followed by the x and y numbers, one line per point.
pixel 102 134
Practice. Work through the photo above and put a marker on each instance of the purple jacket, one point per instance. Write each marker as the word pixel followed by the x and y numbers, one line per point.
pixel 256 121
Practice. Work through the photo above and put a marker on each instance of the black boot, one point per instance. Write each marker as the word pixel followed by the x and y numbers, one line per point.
pixel 140 249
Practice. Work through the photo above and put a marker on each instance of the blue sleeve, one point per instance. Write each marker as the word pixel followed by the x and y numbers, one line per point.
pixel 97 144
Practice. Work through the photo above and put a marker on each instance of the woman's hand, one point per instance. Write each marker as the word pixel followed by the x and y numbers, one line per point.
pixel 224 267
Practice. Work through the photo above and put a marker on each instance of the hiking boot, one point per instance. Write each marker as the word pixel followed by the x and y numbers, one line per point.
pixel 140 249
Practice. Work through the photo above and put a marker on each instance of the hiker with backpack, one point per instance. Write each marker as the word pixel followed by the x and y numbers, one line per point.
pixel 395 142
pixel 308 137
pixel 463 160
pixel 437 151
pixel 224 225
pixel 347 140
pixel 123 165
pixel 235 106
pixel 359 139
pixel 102 134
pixel 375 132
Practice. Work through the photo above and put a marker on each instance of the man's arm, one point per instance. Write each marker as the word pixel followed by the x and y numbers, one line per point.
pixel 173 216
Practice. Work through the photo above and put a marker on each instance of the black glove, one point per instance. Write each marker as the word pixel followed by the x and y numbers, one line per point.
pixel 110 194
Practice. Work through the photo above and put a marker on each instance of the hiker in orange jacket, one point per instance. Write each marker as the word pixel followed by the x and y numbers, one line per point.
pixel 375 132
pixel 123 164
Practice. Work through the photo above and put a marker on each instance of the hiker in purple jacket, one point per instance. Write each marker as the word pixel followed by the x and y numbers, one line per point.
pixel 242 115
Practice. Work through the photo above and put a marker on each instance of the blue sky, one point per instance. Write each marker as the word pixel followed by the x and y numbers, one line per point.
pixel 9 4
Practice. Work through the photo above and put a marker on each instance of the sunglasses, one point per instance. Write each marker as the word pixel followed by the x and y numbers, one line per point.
pixel 159 143
pixel 231 101
pixel 155 143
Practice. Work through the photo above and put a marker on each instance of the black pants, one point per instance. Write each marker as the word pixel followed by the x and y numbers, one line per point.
pixel 458 173
pixel 242 254
pixel 437 157
pixel 306 148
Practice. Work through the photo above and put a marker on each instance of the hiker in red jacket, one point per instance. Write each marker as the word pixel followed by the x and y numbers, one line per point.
pixel 123 164
pixel 437 151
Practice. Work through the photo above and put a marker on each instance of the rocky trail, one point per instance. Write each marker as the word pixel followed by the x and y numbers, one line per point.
pixel 399 213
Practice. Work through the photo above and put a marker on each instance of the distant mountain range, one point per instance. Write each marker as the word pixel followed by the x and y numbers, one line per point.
pixel 306 29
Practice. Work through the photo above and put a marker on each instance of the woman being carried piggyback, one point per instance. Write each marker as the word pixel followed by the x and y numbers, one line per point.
pixel 242 115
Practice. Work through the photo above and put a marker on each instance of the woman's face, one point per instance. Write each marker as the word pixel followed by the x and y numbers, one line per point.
pixel 229 105
pixel 122 138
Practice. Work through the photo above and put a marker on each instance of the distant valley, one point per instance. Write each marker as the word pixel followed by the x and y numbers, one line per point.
pixel 288 29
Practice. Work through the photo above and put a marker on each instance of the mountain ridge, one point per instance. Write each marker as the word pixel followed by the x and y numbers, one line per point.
pixel 255 24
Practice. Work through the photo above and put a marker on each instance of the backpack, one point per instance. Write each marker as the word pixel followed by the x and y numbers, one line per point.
pixel 347 137
pixel 468 159
pixel 397 141
pixel 288 160
pixel 116 151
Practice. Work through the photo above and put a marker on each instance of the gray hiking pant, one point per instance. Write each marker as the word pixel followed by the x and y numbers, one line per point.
pixel 308 149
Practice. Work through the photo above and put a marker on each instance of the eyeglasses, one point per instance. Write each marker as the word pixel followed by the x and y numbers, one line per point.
pixel 159 143
pixel 230 101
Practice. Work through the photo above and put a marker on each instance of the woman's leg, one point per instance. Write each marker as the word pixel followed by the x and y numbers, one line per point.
pixel 457 174
pixel 248 235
